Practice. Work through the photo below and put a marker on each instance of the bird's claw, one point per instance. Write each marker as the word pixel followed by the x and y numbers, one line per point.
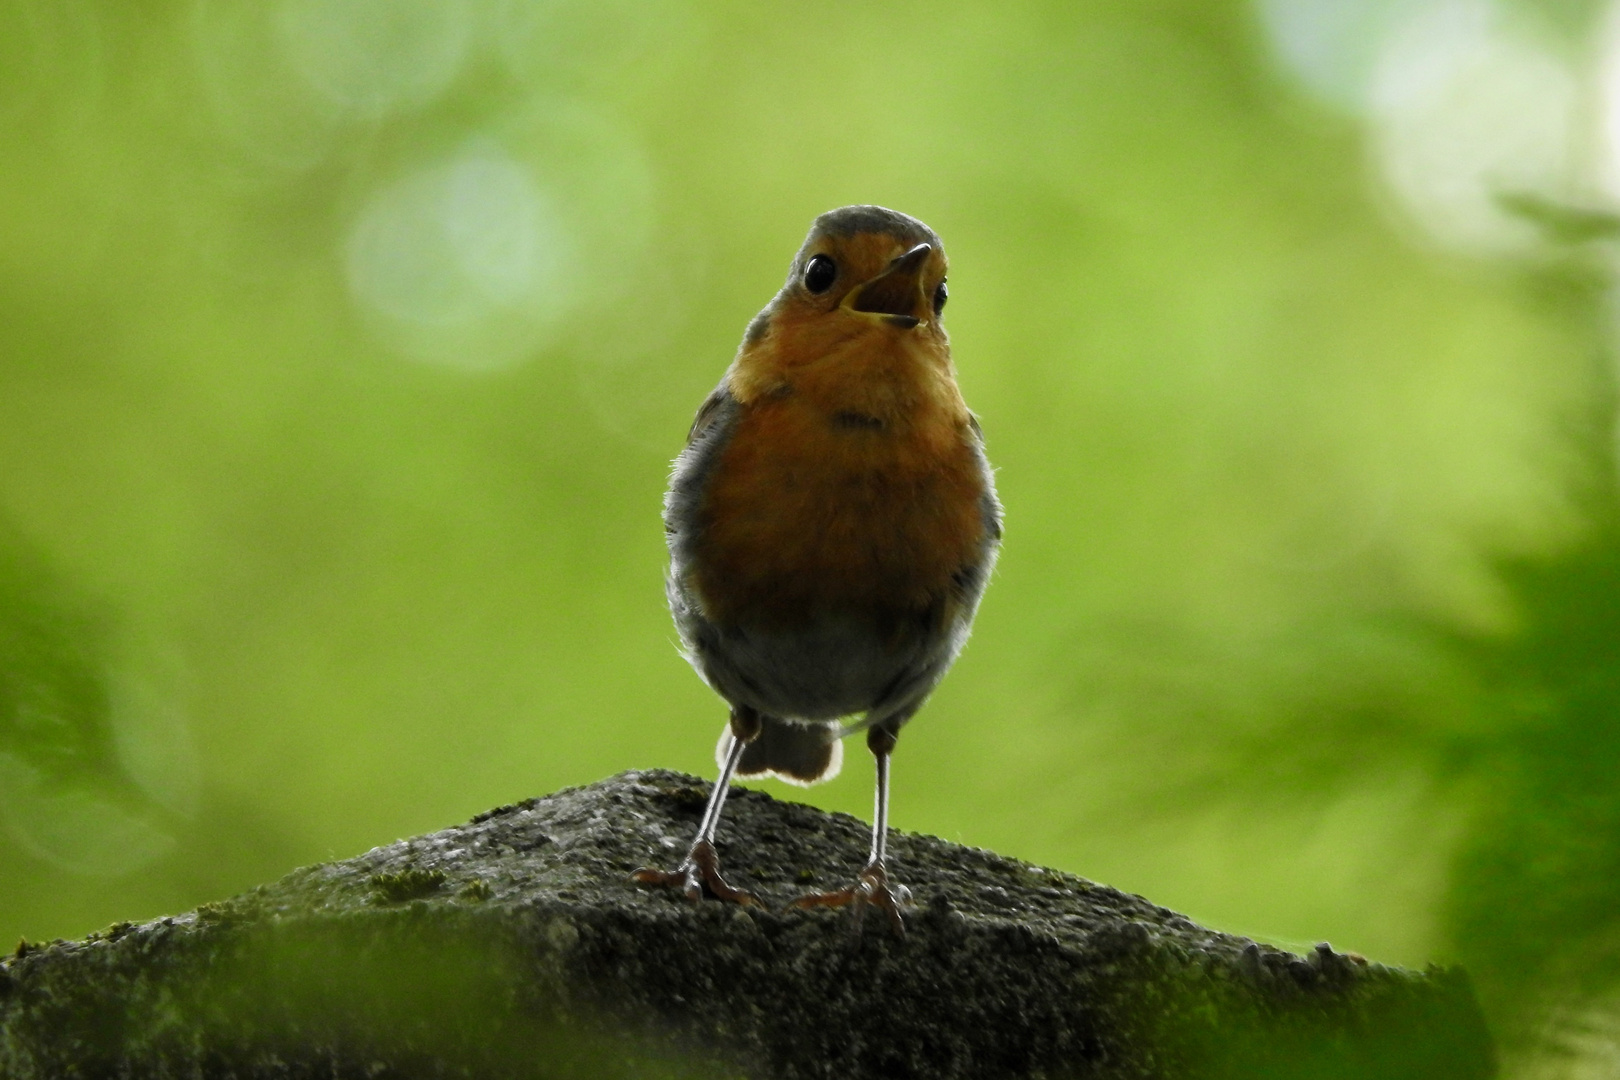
pixel 699 873
pixel 872 888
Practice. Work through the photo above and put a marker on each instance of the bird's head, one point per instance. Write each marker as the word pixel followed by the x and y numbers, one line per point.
pixel 867 279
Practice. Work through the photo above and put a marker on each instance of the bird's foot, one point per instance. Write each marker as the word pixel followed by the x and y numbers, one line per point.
pixel 698 873
pixel 872 888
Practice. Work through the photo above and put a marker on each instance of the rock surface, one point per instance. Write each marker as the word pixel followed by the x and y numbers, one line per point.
pixel 514 946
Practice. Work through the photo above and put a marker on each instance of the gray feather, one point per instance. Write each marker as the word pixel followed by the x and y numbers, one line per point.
pixel 798 753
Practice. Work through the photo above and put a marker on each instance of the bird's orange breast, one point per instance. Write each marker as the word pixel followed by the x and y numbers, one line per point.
pixel 852 489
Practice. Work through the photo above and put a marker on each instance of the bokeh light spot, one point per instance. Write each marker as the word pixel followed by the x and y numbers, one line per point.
pixel 579 40
pixel 470 245
pixel 1609 106
pixel 1331 46
pixel 257 99
pixel 1465 104
pixel 1469 108
pixel 373 56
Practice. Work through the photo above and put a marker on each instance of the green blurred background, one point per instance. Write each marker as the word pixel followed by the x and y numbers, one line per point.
pixel 344 345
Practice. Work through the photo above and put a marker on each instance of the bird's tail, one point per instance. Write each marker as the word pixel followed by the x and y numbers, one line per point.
pixel 792 750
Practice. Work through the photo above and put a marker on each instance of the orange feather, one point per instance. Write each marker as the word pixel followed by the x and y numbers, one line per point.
pixel 849 485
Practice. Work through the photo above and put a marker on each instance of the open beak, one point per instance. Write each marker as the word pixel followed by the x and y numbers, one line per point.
pixel 896 295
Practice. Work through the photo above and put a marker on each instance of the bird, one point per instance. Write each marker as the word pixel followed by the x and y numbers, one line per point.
pixel 832 523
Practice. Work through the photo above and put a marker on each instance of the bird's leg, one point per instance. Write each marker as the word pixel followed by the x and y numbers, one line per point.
pixel 699 872
pixel 872 886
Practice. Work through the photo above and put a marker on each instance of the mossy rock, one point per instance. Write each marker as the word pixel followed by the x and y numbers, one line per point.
pixel 514 946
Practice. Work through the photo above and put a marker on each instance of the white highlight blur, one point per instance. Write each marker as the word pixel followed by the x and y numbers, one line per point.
pixel 1609 100
pixel 257 99
pixel 373 56
pixel 475 261
pixel 1333 46
pixel 1464 100
pixel 463 261
pixel 1468 107
pixel 581 41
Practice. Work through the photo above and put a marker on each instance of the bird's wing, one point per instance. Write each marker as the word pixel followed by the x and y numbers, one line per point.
pixel 710 412
pixel 989 505
pixel 708 435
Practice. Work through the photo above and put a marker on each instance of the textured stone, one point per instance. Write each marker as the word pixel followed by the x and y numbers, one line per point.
pixel 514 946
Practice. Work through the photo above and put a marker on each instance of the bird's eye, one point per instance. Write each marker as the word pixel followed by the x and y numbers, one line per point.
pixel 941 295
pixel 819 275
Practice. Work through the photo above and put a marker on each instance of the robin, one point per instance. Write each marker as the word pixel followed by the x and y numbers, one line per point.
pixel 831 523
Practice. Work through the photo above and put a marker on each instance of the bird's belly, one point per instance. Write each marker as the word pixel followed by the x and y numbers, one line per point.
pixel 831 668
pixel 798 528
pixel 817 572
